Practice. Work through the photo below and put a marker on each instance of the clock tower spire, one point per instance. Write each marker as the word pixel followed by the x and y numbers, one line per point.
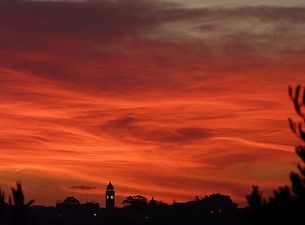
pixel 110 196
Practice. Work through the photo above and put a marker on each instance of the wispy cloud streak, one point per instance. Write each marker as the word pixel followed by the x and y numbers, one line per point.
pixel 182 100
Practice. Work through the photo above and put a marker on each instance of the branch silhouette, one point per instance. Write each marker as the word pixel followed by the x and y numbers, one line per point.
pixel 287 204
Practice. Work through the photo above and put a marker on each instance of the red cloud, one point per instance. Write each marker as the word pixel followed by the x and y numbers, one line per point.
pixel 182 101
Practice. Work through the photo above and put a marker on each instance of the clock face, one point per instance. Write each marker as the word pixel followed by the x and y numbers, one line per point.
pixel 107 197
pixel 111 197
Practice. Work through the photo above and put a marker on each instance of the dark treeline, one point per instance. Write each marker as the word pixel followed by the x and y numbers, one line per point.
pixel 215 209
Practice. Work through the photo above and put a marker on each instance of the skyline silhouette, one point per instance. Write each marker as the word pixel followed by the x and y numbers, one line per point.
pixel 137 210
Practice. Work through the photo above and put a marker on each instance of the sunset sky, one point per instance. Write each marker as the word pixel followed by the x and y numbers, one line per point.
pixel 170 99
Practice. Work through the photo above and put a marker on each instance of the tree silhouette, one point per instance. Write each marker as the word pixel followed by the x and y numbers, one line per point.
pixel 287 204
pixel 19 207
pixel 14 213
pixel 135 201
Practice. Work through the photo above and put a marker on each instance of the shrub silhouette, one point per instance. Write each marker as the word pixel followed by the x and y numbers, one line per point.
pixel 135 201
pixel 15 212
pixel 287 204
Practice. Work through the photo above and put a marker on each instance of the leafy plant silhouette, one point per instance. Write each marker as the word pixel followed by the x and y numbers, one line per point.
pixel 15 212
pixel 287 205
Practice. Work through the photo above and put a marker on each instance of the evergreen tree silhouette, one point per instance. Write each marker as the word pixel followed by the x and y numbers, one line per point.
pixel 287 205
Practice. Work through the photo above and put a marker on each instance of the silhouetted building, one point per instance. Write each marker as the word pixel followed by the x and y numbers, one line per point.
pixel 110 196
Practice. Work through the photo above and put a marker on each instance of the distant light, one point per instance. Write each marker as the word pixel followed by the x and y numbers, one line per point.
pixel 111 197
pixel 94 214
pixel 107 197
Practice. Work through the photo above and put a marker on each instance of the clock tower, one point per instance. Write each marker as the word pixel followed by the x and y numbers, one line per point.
pixel 110 196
